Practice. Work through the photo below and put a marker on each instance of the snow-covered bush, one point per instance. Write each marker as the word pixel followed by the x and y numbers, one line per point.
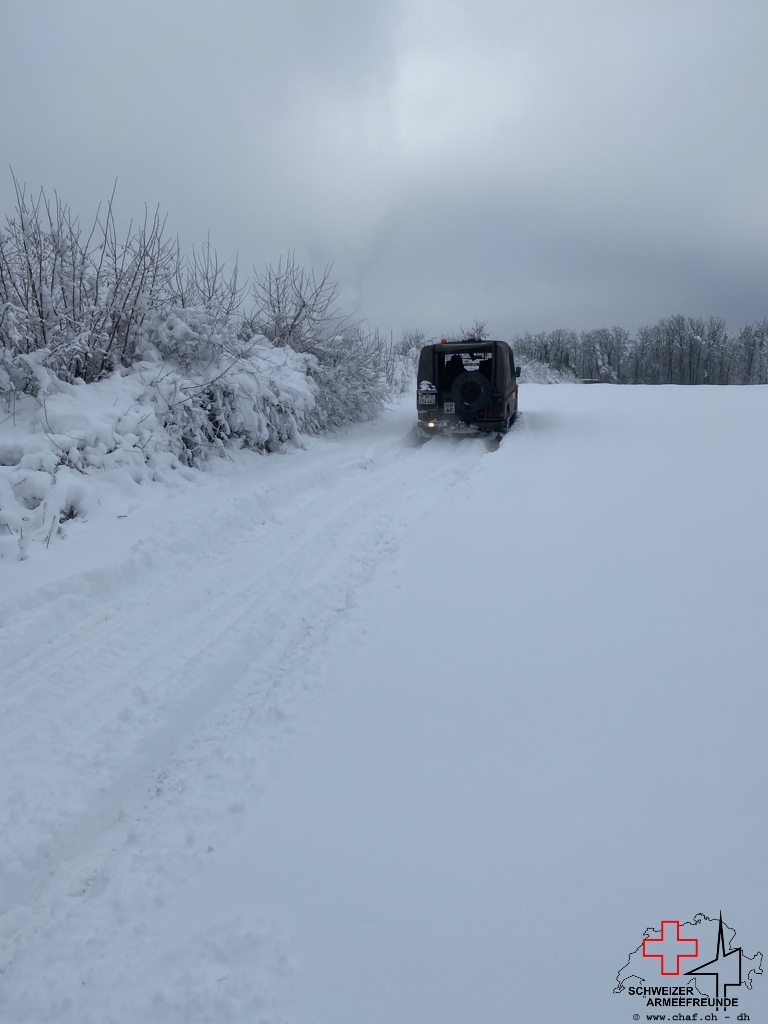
pixel 83 296
pixel 355 372
pixel 60 448
pixel 534 372
pixel 258 402
pixel 127 359
pixel 401 359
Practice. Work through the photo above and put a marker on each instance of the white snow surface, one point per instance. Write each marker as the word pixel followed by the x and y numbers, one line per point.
pixel 396 733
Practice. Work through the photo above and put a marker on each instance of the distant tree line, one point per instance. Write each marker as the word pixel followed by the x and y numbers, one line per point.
pixel 676 350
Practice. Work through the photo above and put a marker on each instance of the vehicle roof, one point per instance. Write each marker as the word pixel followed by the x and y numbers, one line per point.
pixel 459 346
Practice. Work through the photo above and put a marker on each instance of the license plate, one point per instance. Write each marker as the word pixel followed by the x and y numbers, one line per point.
pixel 426 400
pixel 449 407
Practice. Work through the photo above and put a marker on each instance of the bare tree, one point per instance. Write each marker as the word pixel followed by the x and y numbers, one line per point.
pixel 296 307
pixel 85 297
pixel 477 332
pixel 201 280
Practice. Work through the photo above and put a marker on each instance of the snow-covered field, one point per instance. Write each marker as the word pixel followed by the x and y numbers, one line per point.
pixel 384 733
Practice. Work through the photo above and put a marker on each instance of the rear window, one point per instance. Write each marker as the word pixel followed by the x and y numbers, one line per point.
pixel 451 365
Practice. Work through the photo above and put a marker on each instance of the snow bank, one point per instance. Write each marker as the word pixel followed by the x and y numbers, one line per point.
pixel 65 448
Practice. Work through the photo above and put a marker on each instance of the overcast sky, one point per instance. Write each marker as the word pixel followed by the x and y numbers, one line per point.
pixel 534 164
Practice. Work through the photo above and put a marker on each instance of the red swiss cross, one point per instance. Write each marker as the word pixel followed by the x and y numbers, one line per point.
pixel 670 948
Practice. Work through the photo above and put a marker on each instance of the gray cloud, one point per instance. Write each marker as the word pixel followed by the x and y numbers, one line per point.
pixel 531 163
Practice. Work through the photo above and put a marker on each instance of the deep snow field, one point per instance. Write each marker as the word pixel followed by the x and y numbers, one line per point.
pixel 376 732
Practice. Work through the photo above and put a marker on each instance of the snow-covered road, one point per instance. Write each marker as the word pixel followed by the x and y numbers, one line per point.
pixel 394 733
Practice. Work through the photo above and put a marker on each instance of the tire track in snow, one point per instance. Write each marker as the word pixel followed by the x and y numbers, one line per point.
pixel 129 701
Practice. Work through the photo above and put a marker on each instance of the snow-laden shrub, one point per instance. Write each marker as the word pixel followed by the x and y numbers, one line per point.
pixel 62 443
pixel 350 380
pixel 85 296
pixel 86 316
pixel 89 302
pixel 534 372
pixel 21 374
pixel 260 401
pixel 356 372
pixel 401 357
pixel 192 336
pixel 61 450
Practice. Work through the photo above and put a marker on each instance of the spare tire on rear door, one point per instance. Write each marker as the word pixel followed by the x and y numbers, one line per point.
pixel 471 392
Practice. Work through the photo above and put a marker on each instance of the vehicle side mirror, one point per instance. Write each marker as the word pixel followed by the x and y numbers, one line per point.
pixel 517 371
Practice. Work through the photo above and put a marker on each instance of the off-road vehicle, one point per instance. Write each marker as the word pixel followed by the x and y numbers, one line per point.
pixel 467 386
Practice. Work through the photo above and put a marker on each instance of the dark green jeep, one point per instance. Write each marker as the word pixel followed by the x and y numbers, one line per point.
pixel 467 385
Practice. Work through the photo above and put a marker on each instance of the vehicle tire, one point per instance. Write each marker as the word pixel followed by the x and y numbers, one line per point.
pixel 471 391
